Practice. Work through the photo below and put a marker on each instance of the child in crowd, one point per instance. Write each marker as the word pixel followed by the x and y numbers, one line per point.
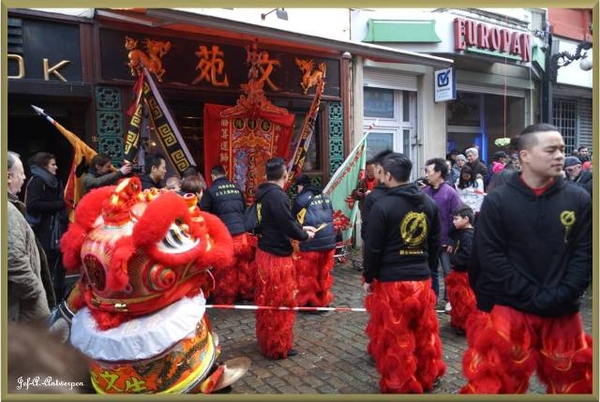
pixel 173 183
pixel 460 294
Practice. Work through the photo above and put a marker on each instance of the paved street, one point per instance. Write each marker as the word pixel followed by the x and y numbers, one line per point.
pixel 331 348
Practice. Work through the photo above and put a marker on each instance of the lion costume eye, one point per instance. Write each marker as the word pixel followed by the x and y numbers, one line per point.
pixel 178 239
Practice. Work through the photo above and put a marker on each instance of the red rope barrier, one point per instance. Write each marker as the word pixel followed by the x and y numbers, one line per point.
pixel 253 307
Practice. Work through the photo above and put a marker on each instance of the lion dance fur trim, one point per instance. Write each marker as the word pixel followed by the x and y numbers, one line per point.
pixel 313 272
pixel 275 286
pixel 404 336
pixel 506 346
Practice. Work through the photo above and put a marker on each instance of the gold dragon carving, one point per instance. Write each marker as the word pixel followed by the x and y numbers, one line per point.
pixel 310 78
pixel 152 61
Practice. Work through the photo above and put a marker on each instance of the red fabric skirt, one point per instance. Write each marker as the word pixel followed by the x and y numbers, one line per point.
pixel 404 334
pixel 313 273
pixel 507 345
pixel 275 286
pixel 461 297
pixel 247 271
pixel 230 280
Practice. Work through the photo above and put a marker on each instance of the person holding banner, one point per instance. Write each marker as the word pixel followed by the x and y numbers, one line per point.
pixel 276 275
pixel 365 185
pixel 315 261
pixel 101 173
pixel 403 241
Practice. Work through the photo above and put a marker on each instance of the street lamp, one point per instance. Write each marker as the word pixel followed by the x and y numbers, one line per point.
pixel 565 58
pixel 555 61
pixel 280 12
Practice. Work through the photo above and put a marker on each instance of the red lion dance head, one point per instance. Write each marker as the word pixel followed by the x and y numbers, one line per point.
pixel 145 257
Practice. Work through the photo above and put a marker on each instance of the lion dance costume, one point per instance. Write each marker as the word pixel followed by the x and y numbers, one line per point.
pixel 144 258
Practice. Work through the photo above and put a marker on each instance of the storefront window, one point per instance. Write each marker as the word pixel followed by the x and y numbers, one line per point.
pixel 378 102
pixel 480 119
pixel 406 106
pixel 504 117
pixel 377 142
pixel 464 111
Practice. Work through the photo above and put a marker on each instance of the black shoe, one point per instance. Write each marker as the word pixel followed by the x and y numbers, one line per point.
pixel 292 352
pixel 225 390
pixel 459 332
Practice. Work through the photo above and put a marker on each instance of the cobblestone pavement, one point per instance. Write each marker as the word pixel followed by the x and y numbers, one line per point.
pixel 331 347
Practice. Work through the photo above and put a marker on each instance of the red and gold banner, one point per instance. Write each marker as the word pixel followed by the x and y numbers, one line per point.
pixel 243 143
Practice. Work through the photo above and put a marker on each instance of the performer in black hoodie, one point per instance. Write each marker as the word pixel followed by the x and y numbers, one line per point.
pixel 532 263
pixel 276 276
pixel 403 242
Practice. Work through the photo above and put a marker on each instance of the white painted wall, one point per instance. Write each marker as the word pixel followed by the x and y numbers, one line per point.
pixel 331 23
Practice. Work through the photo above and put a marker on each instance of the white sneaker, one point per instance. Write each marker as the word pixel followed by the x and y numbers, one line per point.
pixel 447 307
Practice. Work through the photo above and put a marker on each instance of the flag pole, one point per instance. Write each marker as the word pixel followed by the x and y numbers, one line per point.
pixel 354 150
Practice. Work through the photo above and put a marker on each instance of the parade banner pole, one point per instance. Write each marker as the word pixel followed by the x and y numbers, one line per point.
pixel 82 156
pixel 253 307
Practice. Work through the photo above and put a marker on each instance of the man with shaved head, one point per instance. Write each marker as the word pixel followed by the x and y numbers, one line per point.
pixel 532 263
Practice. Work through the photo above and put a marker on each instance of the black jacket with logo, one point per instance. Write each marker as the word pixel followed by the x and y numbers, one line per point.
pixel 225 199
pixel 533 253
pixel 403 237
pixel 277 224
pixel 318 210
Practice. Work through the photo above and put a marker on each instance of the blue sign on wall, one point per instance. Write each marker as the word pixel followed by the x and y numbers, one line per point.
pixel 445 85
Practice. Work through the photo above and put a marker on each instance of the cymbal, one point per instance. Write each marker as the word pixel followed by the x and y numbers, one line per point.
pixel 234 370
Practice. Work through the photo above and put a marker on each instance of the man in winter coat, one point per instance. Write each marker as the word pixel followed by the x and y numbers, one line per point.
pixel 225 199
pixel 315 261
pixel 27 299
pixel 155 166
pixel 578 176
pixel 448 201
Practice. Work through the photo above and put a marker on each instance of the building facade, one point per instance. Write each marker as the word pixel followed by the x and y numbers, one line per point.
pixel 497 85
pixel 571 77
pixel 202 58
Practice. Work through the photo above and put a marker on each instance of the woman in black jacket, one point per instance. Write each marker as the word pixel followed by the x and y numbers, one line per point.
pixel 47 213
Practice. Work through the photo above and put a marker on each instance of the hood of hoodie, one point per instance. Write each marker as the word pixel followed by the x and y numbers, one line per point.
pixel 410 191
pixel 517 182
pixel 264 188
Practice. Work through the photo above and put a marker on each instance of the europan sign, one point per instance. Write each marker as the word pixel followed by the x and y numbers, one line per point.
pixel 445 85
